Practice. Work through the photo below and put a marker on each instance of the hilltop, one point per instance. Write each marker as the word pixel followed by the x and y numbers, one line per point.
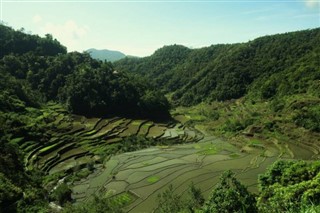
pixel 109 55
pixel 270 66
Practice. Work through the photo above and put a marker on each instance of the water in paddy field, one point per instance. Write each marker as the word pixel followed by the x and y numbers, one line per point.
pixel 146 173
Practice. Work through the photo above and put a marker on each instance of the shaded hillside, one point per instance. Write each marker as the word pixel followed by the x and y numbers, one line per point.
pixel 223 72
pixel 35 71
pixel 109 55
pixel 85 85
pixel 18 42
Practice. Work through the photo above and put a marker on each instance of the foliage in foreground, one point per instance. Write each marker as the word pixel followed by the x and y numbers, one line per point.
pixel 230 195
pixel 290 186
pixel 287 186
pixel 171 202
pixel 101 204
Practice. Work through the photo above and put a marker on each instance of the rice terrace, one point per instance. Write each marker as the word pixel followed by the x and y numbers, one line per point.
pixel 225 121
pixel 77 144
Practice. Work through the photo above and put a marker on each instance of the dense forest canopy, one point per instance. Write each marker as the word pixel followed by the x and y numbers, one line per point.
pixel 36 70
pixel 19 42
pixel 39 69
pixel 265 67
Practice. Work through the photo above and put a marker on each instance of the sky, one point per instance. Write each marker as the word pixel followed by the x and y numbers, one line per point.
pixel 139 27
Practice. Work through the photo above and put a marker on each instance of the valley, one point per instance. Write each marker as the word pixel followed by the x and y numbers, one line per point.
pixel 230 127
pixel 94 155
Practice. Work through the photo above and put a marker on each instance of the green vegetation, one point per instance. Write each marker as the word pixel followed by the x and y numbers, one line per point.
pixel 209 150
pixel 229 195
pixel 171 202
pixel 97 204
pixel 269 66
pixel 36 73
pixel 85 85
pixel 255 123
pixel 153 179
pixel 290 186
pixel 62 194
pixel 258 93
pixel 287 186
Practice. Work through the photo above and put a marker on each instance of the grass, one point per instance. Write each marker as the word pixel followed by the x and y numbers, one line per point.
pixel 234 155
pixel 209 150
pixel 123 199
pixel 163 146
pixel 16 140
pixel 197 146
pixel 255 142
pixel 47 148
pixel 83 173
pixel 153 179
pixel 137 123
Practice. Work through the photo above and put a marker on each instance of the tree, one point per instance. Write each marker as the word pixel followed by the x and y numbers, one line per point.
pixel 168 201
pixel 230 195
pixel 62 194
pixel 289 186
pixel 196 199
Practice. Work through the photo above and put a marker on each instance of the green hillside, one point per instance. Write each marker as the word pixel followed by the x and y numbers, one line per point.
pixel 85 85
pixel 268 66
pixel 40 86
pixel 112 137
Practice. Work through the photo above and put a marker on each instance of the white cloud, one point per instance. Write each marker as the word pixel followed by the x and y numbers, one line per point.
pixel 36 19
pixel 312 3
pixel 68 33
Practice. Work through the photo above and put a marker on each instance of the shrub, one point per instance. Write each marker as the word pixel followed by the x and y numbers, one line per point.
pixel 289 186
pixel 230 195
pixel 62 194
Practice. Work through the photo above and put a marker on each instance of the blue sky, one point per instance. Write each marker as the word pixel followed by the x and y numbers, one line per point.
pixel 140 27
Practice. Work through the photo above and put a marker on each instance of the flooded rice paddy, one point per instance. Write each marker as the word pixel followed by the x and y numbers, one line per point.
pixel 146 173
pixel 140 176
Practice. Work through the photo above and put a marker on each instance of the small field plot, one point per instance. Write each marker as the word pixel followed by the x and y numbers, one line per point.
pixel 156 131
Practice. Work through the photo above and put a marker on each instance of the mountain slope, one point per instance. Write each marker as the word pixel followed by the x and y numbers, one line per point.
pixel 20 43
pixel 37 76
pixel 109 55
pixel 224 72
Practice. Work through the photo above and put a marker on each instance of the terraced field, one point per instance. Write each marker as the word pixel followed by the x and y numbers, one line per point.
pixel 77 141
pixel 146 173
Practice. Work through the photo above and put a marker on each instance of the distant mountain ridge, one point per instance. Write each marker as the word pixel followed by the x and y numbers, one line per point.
pixel 109 55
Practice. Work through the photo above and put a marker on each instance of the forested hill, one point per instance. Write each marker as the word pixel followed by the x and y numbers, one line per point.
pixel 35 70
pixel 18 42
pixel 39 77
pixel 269 66
pixel 109 55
